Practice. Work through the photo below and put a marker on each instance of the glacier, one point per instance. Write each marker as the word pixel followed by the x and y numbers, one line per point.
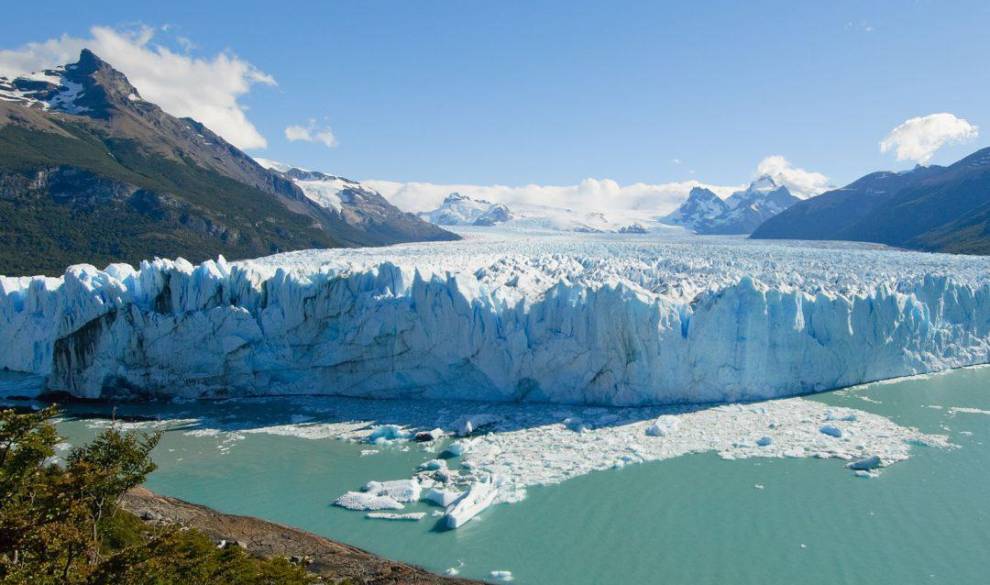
pixel 604 319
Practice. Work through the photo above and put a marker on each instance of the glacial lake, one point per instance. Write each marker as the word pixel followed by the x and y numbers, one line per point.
pixel 691 519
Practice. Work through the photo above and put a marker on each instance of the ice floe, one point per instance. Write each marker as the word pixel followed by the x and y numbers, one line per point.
pixel 400 490
pixel 966 410
pixel 409 516
pixel 367 501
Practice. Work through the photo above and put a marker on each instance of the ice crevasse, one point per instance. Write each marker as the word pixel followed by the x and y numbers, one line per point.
pixel 621 328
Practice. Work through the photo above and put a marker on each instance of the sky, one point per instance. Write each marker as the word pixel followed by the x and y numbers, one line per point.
pixel 621 103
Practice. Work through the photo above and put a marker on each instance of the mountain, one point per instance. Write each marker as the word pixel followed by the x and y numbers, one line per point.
pixel 92 172
pixel 461 210
pixel 458 209
pixel 361 207
pixel 704 212
pixel 945 209
pixel 700 212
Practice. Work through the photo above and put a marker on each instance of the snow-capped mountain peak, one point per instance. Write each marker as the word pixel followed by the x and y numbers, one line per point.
pixel 706 213
pixel 459 209
pixel 701 206
pixel 763 184
pixel 89 87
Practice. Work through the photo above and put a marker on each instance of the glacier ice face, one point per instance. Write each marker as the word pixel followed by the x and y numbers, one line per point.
pixel 605 319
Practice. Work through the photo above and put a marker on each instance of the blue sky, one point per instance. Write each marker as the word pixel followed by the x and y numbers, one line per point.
pixel 555 92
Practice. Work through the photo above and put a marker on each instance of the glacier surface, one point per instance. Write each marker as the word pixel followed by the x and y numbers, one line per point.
pixel 506 316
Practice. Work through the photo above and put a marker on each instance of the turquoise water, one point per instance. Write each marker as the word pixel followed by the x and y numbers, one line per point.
pixel 695 519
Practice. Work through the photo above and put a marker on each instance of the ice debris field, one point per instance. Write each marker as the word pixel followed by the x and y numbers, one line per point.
pixel 476 455
pixel 579 318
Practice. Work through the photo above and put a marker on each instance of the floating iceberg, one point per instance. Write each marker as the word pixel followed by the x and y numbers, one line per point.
pixel 410 516
pixel 433 465
pixel 367 501
pixel 570 319
pixel 400 490
pixel 866 464
pixel 479 496
pixel 386 433
pixel 441 497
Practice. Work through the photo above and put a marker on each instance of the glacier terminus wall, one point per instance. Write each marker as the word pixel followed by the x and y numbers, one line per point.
pixel 597 319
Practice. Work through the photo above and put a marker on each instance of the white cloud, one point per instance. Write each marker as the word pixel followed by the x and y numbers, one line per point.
pixel 311 133
pixel 206 89
pixel 800 182
pixel 918 139
pixel 589 194
pixel 596 194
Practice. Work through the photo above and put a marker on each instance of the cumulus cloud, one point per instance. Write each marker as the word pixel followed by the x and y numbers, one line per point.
pixel 918 139
pixel 596 194
pixel 589 194
pixel 311 133
pixel 798 181
pixel 204 88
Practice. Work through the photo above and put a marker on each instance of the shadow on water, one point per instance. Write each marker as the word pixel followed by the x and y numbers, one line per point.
pixel 311 411
pixel 305 413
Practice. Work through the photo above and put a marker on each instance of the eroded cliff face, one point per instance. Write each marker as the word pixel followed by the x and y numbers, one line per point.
pixel 388 329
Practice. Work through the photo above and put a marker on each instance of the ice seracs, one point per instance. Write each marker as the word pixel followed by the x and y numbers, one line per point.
pixel 605 319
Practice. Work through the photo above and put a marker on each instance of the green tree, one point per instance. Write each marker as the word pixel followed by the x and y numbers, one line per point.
pixel 64 524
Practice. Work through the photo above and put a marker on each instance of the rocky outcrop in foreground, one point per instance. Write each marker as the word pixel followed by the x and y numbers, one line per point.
pixel 324 557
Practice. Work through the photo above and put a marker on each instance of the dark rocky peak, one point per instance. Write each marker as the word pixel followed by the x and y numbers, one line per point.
pixel 103 87
pixel 88 64
pixel 89 87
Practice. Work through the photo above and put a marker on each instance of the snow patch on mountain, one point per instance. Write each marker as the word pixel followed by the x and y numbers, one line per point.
pixel 49 90
pixel 328 191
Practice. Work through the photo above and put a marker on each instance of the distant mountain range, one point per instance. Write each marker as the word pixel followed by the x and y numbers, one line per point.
pixel 92 172
pixel 458 209
pixel 944 209
pixel 704 212
pixel 360 207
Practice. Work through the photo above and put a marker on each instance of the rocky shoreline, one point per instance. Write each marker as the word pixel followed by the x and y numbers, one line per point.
pixel 334 561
